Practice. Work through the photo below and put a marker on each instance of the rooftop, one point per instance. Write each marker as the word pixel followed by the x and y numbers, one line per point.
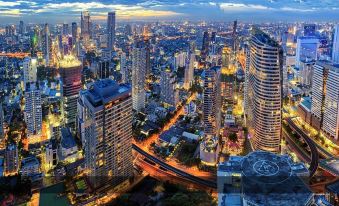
pixel 69 61
pixel 329 65
pixel 269 179
pixel 263 37
pixel 67 140
pixel 105 90
pixel 29 161
pixel 306 103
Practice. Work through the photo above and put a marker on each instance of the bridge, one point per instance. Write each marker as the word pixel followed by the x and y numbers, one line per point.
pixel 314 163
pixel 192 178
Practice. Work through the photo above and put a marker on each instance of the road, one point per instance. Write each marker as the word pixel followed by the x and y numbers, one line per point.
pixel 145 145
pixel 193 178
pixel 294 147
pixel 314 151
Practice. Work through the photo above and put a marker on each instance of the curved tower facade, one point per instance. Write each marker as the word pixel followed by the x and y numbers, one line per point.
pixel 265 92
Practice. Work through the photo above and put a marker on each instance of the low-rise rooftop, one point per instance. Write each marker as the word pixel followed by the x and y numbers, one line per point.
pixel 67 139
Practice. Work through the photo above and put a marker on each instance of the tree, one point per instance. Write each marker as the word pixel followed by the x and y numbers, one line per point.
pixel 233 137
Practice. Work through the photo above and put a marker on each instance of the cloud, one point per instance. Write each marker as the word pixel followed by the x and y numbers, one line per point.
pixel 297 9
pixel 195 9
pixel 242 7
pixel 9 3
pixel 123 11
pixel 11 13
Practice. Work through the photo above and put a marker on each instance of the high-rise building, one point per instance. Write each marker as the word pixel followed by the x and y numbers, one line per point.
pixel 139 75
pixel 30 70
pixel 263 178
pixel 307 48
pixel 123 68
pixel 10 30
pixel 247 72
pixel 265 92
pixel 21 28
pixel 148 57
pixel 306 72
pixel 179 59
pixel 105 118
pixel 128 29
pixel 331 112
pixel 211 101
pixel 189 71
pixel 227 82
pixel 168 94
pixel 46 46
pixel 325 100
pixel 1 121
pixel 51 154
pixel 65 29
pixel 70 72
pixel 33 109
pixel 214 37
pixel 205 45
pixel 319 81
pixel 74 32
pixel 335 51
pixel 11 160
pixel 103 71
pixel 111 30
pixel 309 29
pixel 225 57
pixel 234 35
pixel 86 25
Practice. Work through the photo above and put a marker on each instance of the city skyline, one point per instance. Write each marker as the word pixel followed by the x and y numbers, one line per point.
pixel 245 10
pixel 128 103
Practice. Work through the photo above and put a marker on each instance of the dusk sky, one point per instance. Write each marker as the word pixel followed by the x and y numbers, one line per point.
pixel 41 11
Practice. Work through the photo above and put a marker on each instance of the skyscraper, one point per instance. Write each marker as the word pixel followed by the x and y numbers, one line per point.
pixel 247 71
pixel 226 57
pixel 21 28
pixel 11 160
pixel 263 178
pixel 331 112
pixel 335 52
pixel 65 29
pixel 74 33
pixel 309 29
pixel 70 72
pixel 111 30
pixel 123 68
pixel 33 109
pixel 205 45
pixel 306 50
pixel 189 71
pixel 86 25
pixel 168 94
pixel 47 44
pixel 234 35
pixel 103 69
pixel 148 57
pixel 319 81
pixel 105 116
pixel 179 59
pixel 30 70
pixel 139 75
pixel 325 90
pixel 265 92
pixel 211 101
pixel 1 121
